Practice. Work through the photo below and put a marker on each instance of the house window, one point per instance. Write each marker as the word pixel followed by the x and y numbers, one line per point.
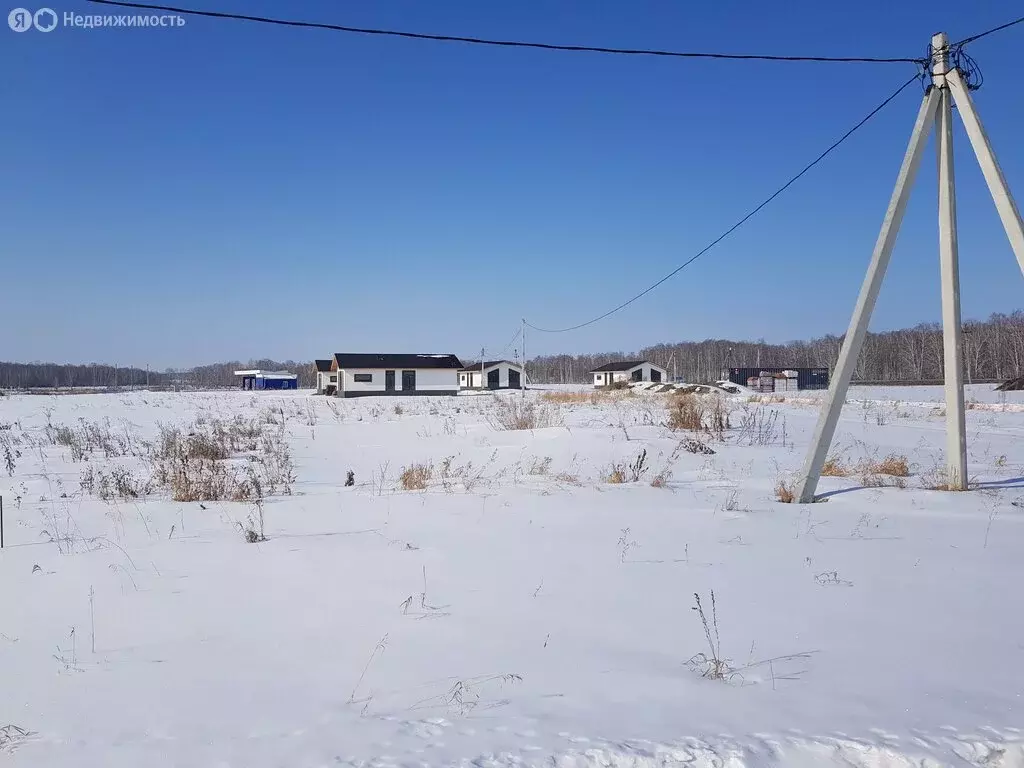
pixel 362 378
pixel 334 378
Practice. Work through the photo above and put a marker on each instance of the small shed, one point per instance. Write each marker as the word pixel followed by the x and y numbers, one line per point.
pixel 623 372
pixel 258 379
pixel 492 374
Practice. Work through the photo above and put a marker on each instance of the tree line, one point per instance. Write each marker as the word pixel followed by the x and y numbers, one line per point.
pixel 96 376
pixel 993 349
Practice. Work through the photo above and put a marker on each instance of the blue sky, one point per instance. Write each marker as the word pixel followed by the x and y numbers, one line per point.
pixel 231 190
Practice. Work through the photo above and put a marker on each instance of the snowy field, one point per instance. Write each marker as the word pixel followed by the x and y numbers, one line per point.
pixel 518 610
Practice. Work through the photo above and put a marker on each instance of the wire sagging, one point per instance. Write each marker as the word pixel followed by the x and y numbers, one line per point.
pixel 988 32
pixel 739 223
pixel 505 43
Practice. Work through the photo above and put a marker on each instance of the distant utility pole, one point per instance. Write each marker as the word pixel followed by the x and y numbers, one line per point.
pixel 481 367
pixel 522 381
pixel 947 86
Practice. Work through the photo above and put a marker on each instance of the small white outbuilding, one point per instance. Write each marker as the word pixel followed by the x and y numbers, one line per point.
pixel 493 374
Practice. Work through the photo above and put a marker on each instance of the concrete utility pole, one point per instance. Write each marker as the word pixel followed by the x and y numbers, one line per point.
pixel 949 267
pixel 481 367
pixel 946 89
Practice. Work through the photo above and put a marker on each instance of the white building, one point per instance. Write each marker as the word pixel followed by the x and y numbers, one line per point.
pixel 495 374
pixel 627 371
pixel 326 382
pixel 257 379
pixel 358 375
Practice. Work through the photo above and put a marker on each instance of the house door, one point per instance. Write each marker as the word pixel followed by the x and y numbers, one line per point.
pixel 492 378
pixel 513 379
pixel 408 381
pixel 389 381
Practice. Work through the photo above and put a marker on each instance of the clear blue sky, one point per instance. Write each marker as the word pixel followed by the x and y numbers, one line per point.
pixel 232 190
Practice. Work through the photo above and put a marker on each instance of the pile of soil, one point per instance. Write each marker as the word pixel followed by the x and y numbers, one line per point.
pixel 1012 385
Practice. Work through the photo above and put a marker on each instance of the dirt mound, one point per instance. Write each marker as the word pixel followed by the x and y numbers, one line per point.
pixel 1012 385
pixel 702 389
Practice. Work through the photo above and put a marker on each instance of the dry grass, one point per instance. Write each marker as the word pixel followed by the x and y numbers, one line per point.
pixel 766 399
pixel 569 398
pixel 616 475
pixel 568 478
pixel 595 397
pixel 661 479
pixel 119 483
pixel 893 465
pixel 696 413
pixel 192 464
pixel 938 479
pixel 760 426
pixel 835 467
pixel 890 471
pixel 416 477
pixel 785 491
pixel 628 473
pixel 90 438
pixel 686 412
pixel 513 413
pixel 710 665
pixel 539 466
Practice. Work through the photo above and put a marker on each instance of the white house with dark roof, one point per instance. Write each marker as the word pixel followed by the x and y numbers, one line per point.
pixel 493 374
pixel 363 374
pixel 626 371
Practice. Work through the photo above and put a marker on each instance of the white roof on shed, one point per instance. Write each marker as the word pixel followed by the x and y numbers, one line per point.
pixel 268 374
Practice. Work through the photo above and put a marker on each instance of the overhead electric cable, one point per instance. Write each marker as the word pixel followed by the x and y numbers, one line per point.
pixel 988 32
pixel 738 224
pixel 503 43
pixel 513 341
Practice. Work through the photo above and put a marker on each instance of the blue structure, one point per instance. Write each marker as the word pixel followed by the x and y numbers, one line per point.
pixel 267 379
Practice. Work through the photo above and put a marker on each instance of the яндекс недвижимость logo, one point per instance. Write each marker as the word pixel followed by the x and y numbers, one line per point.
pixel 47 20
pixel 22 20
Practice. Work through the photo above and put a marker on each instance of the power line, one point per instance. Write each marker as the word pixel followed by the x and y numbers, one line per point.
pixel 738 224
pixel 505 43
pixel 505 348
pixel 987 32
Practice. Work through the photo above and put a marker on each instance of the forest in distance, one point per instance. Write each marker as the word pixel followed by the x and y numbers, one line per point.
pixel 993 349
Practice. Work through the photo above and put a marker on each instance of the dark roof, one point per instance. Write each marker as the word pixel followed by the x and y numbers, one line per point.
pixel 622 366
pixel 322 365
pixel 487 364
pixel 369 360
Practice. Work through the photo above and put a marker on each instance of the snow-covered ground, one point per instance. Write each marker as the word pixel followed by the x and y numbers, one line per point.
pixel 520 610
